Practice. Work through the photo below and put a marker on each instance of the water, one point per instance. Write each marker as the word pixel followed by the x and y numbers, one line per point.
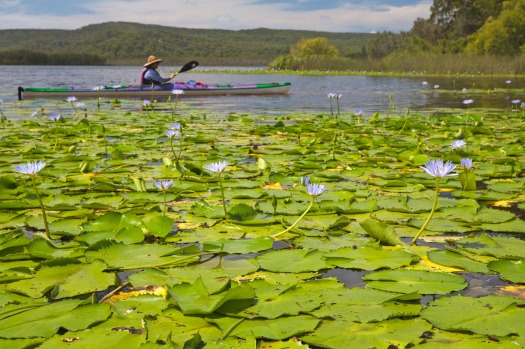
pixel 308 93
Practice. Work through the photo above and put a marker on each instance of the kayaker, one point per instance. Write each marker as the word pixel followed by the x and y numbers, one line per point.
pixel 150 75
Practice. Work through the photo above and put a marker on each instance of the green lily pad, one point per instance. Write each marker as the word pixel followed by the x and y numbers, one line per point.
pixel 46 320
pixel 371 258
pixel 195 298
pixel 489 315
pixel 512 270
pixel 293 261
pixel 120 256
pixel 346 334
pixel 454 258
pixel 66 280
pixel 408 281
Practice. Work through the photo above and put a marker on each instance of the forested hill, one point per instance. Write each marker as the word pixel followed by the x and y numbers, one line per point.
pixel 131 43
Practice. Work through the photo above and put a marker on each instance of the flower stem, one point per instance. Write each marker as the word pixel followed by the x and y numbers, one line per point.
pixel 56 134
pixel 297 221
pixel 164 202
pixel 222 193
pixel 431 213
pixel 173 150
pixel 46 225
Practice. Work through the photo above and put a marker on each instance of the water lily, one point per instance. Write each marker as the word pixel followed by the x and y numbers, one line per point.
pixel 424 83
pixel 176 92
pixel 314 190
pixel 31 169
pixel 98 89
pixel 458 144
pixel 147 104
pixel 466 163
pixel 217 168
pixel 55 118
pixel 437 169
pixel 71 99
pixel 172 134
pixel 466 177
pixel 337 97
pixel 163 186
pixel 331 96
pixel 467 102
pixel 176 126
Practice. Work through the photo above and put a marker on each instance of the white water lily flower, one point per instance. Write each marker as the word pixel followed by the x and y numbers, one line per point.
pixel 457 144
pixel 216 167
pixel 163 185
pixel 172 133
pixel 31 168
pixel 437 169
pixel 55 117
pixel 466 163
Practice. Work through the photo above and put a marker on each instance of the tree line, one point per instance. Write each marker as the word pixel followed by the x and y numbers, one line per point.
pixel 460 37
pixel 123 43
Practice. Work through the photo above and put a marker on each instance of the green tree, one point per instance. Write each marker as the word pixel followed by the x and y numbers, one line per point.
pixel 314 47
pixel 502 35
pixel 385 43
pixel 460 18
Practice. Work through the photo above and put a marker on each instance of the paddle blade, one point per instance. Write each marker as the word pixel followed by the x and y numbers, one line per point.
pixel 188 66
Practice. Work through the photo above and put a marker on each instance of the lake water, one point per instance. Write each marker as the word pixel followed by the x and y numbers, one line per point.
pixel 308 93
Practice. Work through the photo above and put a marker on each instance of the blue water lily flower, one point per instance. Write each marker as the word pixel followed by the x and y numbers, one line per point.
pixel 216 167
pixel 437 169
pixel 466 163
pixel 31 168
pixel 457 144
pixel 163 185
pixel 172 133
pixel 315 189
pixel 71 99
pixel 55 117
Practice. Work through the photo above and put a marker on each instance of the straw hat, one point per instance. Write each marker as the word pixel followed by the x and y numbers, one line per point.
pixel 152 59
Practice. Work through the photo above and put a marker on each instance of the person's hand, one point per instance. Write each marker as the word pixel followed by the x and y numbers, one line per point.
pixel 173 75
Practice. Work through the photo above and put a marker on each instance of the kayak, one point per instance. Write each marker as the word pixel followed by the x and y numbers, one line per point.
pixel 151 92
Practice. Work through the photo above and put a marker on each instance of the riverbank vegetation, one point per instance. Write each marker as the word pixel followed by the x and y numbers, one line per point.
pixel 479 36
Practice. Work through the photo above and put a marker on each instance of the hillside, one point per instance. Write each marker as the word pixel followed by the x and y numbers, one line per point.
pixel 130 43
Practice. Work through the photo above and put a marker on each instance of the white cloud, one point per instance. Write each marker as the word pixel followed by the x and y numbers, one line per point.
pixel 227 14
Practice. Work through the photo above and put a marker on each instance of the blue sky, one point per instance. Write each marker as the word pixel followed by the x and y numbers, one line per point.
pixel 319 15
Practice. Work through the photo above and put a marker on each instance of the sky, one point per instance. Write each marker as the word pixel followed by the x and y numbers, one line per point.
pixel 342 16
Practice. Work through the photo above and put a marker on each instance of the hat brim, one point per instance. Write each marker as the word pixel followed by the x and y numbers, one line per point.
pixel 152 62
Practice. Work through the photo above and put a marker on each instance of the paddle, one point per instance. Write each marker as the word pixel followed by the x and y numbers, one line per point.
pixel 186 67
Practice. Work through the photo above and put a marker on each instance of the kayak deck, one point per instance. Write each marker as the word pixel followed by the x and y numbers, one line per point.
pixel 148 91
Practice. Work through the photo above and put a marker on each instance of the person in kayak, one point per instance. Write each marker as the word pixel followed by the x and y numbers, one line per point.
pixel 150 75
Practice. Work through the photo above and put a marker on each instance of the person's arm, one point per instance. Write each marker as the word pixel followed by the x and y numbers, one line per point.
pixel 169 78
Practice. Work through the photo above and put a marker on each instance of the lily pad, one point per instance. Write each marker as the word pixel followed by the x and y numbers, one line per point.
pixel 408 281
pixel 489 315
